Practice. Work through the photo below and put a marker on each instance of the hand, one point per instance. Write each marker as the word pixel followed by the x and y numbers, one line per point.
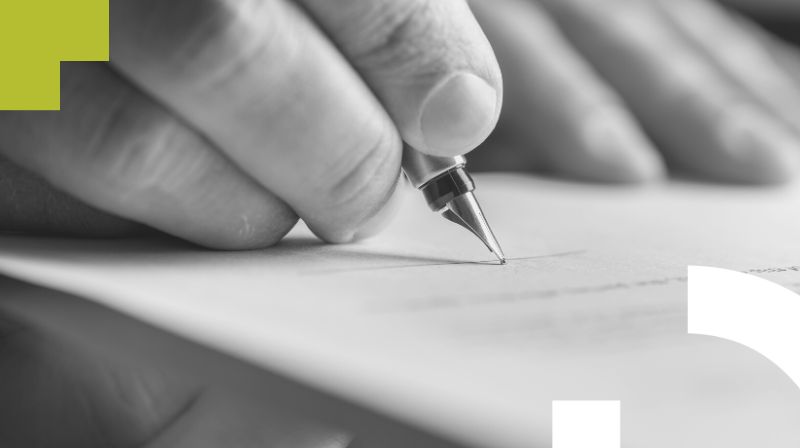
pixel 223 121
pixel 73 374
pixel 766 7
pixel 617 90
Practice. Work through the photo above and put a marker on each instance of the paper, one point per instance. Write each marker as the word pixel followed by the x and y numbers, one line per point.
pixel 414 324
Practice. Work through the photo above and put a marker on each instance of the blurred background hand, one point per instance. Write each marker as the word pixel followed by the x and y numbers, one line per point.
pixel 622 90
pixel 76 375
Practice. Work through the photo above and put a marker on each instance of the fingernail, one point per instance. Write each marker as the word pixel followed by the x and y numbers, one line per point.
pixel 762 149
pixel 458 115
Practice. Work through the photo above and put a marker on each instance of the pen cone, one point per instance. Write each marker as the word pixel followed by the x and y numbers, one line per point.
pixel 465 211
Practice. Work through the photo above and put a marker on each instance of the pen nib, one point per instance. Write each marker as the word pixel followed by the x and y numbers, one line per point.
pixel 465 211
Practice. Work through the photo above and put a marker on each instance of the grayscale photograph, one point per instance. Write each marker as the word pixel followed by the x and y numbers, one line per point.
pixel 400 224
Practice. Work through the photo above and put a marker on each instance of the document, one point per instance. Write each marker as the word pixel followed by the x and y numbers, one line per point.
pixel 420 324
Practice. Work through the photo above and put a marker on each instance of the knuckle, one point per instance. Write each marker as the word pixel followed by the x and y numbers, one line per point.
pixel 364 176
pixel 207 41
pixel 184 28
pixel 400 37
pixel 133 148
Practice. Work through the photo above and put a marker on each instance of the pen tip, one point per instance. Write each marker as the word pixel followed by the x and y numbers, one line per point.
pixel 501 257
pixel 465 211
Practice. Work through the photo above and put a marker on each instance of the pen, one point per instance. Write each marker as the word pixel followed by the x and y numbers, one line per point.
pixel 448 188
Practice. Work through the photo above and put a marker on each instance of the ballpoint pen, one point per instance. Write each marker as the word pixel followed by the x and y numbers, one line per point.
pixel 448 188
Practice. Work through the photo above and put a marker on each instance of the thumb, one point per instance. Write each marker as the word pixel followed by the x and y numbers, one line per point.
pixel 429 63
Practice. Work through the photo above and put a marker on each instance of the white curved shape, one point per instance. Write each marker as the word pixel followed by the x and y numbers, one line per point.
pixel 748 310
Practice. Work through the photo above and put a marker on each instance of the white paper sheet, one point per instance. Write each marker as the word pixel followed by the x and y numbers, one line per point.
pixel 414 324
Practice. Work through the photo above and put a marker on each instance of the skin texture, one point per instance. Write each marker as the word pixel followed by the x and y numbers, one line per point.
pixel 193 113
pixel 76 375
pixel 222 122
pixel 195 131
pixel 620 91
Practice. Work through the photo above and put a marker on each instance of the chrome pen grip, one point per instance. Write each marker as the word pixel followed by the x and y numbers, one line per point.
pixel 421 168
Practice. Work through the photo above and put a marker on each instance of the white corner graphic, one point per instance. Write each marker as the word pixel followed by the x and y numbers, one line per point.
pixel 747 310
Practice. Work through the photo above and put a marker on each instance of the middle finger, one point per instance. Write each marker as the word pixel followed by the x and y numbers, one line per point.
pixel 263 82
pixel 702 121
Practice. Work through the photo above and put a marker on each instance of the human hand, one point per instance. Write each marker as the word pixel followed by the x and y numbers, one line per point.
pixel 766 7
pixel 76 375
pixel 223 121
pixel 617 90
